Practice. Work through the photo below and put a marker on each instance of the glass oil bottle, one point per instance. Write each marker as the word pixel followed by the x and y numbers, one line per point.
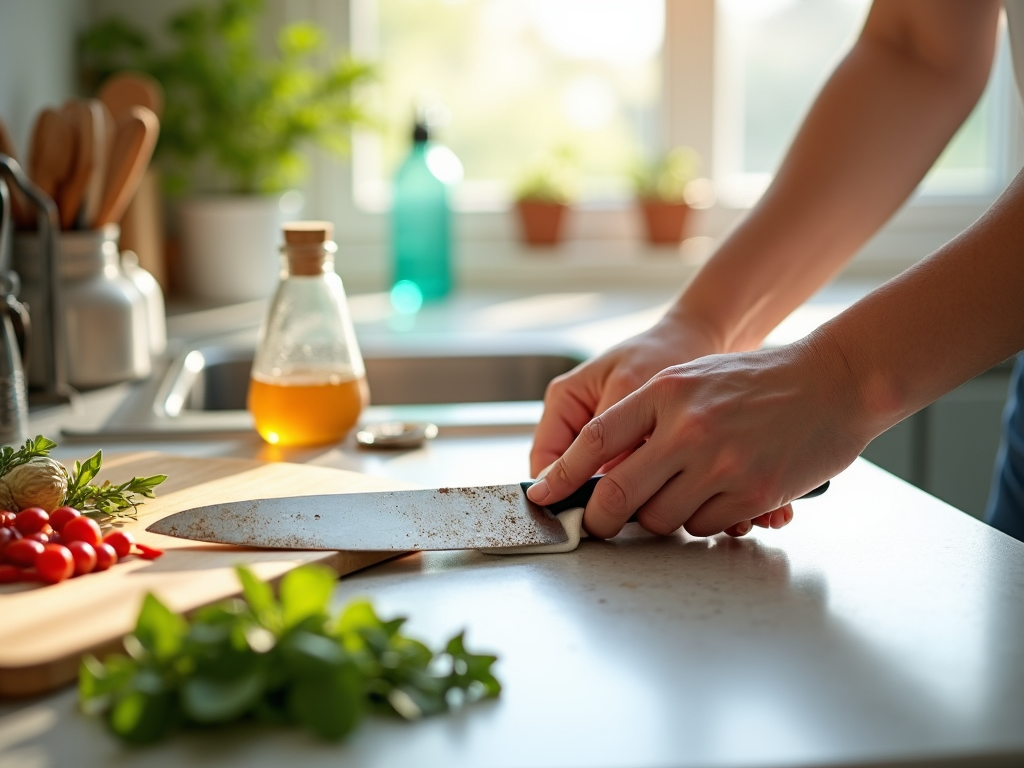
pixel 308 382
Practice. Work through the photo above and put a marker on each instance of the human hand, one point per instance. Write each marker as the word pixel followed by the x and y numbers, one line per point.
pixel 574 398
pixel 716 442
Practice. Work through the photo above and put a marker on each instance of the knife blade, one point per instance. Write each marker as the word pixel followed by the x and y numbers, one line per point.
pixel 474 517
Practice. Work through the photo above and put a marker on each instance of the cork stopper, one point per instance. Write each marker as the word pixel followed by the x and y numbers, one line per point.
pixel 307 232
pixel 307 244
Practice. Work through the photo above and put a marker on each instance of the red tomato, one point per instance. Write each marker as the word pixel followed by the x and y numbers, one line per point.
pixel 31 520
pixel 121 541
pixel 105 556
pixel 7 535
pixel 61 516
pixel 41 536
pixel 7 519
pixel 12 574
pixel 149 553
pixel 84 556
pixel 55 563
pixel 81 529
pixel 22 552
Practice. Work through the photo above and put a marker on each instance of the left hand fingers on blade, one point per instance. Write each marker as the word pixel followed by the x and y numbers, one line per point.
pixel 602 439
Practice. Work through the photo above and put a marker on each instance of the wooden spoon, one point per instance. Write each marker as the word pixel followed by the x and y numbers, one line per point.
pixel 51 153
pixel 105 129
pixel 133 147
pixel 125 90
pixel 71 193
pixel 19 208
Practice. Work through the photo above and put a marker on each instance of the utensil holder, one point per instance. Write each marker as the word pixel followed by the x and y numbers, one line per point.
pixel 103 317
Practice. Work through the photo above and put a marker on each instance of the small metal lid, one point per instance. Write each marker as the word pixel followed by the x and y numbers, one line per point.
pixel 396 434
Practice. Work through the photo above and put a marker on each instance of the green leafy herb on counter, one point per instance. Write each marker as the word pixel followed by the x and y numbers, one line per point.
pixel 281 660
pixel 106 500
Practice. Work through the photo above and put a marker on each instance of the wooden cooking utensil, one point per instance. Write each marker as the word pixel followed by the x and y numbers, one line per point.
pixel 104 127
pixel 52 151
pixel 142 228
pixel 71 193
pixel 133 147
pixel 19 208
pixel 125 90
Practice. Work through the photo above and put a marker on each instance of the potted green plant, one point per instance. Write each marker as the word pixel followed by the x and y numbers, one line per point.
pixel 661 192
pixel 542 198
pixel 235 126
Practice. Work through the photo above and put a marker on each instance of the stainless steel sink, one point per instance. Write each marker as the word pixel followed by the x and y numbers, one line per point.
pixel 203 391
pixel 216 378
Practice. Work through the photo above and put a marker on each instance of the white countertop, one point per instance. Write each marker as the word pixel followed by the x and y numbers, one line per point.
pixel 882 627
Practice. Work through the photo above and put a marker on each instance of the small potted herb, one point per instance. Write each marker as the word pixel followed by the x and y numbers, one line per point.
pixel 235 127
pixel 661 193
pixel 543 196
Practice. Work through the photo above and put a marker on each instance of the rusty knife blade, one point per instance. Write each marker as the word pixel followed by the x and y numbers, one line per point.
pixel 400 521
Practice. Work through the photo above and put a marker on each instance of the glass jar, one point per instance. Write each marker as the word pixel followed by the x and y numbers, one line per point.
pixel 308 382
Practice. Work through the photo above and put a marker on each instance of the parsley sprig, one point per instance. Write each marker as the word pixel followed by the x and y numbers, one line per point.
pixel 280 660
pixel 106 501
pixel 11 457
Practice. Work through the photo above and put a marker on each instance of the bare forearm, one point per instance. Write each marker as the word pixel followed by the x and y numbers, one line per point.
pixel 876 128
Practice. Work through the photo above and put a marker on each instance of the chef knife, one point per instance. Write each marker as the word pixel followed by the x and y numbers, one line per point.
pixel 399 521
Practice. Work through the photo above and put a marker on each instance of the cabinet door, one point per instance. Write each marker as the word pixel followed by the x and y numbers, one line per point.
pixel 962 432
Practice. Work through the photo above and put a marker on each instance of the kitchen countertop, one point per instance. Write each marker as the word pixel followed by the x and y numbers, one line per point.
pixel 882 627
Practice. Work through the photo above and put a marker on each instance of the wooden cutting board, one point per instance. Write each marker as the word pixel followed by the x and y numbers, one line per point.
pixel 44 630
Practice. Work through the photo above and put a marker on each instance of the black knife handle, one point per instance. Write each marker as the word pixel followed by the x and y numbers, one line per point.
pixel 581 495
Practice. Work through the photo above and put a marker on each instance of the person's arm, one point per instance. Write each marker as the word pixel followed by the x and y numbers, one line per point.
pixel 890 107
pixel 729 437
pixel 878 124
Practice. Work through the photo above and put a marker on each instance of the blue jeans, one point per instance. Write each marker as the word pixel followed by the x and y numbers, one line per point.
pixel 1005 509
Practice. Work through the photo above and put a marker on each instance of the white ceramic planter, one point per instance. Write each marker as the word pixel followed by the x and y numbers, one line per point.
pixel 230 246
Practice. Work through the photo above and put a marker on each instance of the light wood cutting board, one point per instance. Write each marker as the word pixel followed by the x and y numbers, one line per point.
pixel 44 630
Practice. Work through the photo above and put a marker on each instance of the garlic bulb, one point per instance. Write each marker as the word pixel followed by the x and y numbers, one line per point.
pixel 40 482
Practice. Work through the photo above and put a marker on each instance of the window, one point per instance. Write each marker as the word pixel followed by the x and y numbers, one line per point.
pixel 731 78
pixel 774 56
pixel 506 81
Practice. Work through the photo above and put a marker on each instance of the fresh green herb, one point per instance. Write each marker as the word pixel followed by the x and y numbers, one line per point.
pixel 106 501
pixel 666 178
pixel 33 447
pixel 282 660
pixel 236 120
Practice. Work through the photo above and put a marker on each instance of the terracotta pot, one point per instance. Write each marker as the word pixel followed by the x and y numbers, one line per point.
pixel 665 222
pixel 541 222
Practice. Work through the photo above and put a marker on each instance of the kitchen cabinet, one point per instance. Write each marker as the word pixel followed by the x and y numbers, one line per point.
pixel 948 449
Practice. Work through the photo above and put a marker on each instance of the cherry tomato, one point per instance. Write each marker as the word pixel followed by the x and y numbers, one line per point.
pixel 84 556
pixel 7 519
pixel 22 552
pixel 149 553
pixel 55 563
pixel 105 556
pixel 7 535
pixel 12 574
pixel 121 541
pixel 81 529
pixel 41 536
pixel 31 520
pixel 61 516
